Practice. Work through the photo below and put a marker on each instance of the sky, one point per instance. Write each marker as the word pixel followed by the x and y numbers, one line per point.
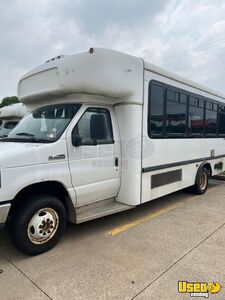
pixel 183 36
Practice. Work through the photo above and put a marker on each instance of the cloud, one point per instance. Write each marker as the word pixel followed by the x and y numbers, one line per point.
pixel 197 25
pixel 172 33
pixel 95 16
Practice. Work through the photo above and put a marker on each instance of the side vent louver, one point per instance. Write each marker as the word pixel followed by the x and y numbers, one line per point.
pixel 165 178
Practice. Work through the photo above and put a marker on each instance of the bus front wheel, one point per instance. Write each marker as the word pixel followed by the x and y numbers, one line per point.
pixel 38 224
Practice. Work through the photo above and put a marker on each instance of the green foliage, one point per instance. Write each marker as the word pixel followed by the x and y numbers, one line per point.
pixel 9 100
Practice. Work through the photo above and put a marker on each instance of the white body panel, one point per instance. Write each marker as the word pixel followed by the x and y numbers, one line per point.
pixel 130 120
pixel 10 116
pixel 25 164
pixel 104 73
pixel 13 112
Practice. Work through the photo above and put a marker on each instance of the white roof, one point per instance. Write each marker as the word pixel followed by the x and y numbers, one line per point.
pixel 107 73
pixel 104 72
pixel 158 70
pixel 14 111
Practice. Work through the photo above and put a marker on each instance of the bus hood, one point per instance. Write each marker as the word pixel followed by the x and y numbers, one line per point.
pixel 13 154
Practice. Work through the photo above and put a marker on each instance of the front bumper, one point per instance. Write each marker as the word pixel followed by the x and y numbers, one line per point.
pixel 4 210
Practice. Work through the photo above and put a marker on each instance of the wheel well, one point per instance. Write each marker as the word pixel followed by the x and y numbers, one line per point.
pixel 52 188
pixel 205 165
pixel 208 167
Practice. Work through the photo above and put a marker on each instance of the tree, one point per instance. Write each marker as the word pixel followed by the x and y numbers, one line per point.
pixel 9 100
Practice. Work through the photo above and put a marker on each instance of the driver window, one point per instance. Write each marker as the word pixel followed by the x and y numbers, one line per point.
pixel 94 127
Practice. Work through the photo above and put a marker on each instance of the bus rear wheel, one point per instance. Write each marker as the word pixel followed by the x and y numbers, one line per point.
pixel 201 183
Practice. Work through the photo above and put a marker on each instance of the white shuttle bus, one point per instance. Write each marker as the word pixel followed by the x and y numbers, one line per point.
pixel 107 132
pixel 10 116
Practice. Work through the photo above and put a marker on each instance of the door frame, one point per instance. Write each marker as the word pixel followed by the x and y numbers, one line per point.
pixel 116 138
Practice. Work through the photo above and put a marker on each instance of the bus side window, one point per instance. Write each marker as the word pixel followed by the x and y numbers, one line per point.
pixel 156 111
pixel 94 127
pixel 176 107
pixel 210 119
pixel 221 120
pixel 196 117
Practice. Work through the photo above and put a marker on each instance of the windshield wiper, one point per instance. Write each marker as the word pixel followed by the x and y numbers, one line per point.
pixel 25 134
pixel 3 136
pixel 29 139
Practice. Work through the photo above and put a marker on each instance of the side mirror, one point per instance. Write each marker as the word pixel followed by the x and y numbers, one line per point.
pixel 76 140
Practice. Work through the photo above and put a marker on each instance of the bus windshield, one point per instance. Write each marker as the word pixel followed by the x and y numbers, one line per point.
pixel 45 124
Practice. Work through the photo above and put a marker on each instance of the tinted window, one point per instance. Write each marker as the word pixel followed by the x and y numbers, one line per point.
pixel 172 95
pixel 10 125
pixel 94 127
pixel 209 105
pixel 175 113
pixel 182 113
pixel 196 117
pixel 201 103
pixel 156 110
pixel 193 101
pixel 221 120
pixel 210 119
pixel 183 98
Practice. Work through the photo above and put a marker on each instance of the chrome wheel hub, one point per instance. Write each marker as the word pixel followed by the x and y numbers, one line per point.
pixel 43 226
pixel 203 181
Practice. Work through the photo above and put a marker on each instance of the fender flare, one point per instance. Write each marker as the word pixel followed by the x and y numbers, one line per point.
pixel 200 170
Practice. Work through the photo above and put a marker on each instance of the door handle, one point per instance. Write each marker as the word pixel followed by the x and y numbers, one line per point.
pixel 116 161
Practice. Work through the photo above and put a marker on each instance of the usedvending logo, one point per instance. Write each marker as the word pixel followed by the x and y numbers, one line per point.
pixel 199 289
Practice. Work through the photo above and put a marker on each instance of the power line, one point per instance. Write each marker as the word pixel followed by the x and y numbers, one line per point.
pixel 194 55
pixel 204 46
pixel 212 72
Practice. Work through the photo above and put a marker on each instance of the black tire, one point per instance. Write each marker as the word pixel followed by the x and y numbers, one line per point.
pixel 35 210
pixel 202 179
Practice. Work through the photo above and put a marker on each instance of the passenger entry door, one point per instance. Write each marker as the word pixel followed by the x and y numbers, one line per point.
pixel 94 152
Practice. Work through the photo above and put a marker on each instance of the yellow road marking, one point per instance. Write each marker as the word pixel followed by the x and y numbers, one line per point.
pixel 141 220
pixel 148 217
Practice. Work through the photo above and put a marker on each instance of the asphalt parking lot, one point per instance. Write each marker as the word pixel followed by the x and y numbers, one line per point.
pixel 136 254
